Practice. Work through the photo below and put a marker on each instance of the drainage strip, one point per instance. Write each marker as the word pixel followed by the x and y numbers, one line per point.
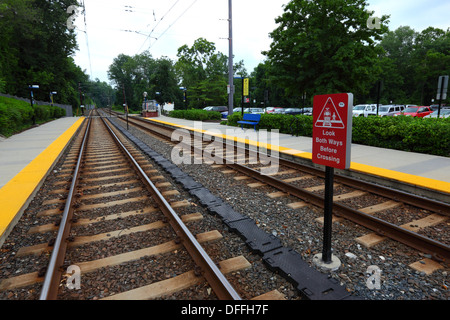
pixel 313 284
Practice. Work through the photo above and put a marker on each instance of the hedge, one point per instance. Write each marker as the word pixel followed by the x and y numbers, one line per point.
pixel 17 115
pixel 195 114
pixel 430 136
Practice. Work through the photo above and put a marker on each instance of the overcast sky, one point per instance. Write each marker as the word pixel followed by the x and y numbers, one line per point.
pixel 123 26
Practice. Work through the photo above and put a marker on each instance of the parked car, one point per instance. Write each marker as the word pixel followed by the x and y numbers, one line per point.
pixel 280 111
pixel 416 111
pixel 307 111
pixel 225 113
pixel 293 111
pixel 216 108
pixel 365 110
pixel 445 113
pixel 435 107
pixel 254 110
pixel 272 109
pixel 390 110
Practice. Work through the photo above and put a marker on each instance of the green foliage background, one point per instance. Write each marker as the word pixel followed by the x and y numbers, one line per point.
pixel 195 114
pixel 430 136
pixel 17 115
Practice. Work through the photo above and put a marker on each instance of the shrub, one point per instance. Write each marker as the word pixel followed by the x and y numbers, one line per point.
pixel 430 136
pixel 17 115
pixel 195 114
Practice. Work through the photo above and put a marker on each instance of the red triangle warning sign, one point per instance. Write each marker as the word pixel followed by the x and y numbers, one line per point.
pixel 329 117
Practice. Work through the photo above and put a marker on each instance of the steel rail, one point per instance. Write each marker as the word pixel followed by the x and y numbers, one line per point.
pixel 52 278
pixel 211 272
pixel 437 249
pixel 394 194
pixel 397 195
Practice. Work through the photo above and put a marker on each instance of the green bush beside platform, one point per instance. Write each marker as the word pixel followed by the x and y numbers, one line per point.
pixel 430 136
pixel 17 115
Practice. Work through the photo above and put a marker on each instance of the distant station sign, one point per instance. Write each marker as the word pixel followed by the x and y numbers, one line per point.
pixel 332 130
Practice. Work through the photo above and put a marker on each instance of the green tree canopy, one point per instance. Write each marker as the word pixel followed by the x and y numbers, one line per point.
pixel 36 46
pixel 142 73
pixel 325 46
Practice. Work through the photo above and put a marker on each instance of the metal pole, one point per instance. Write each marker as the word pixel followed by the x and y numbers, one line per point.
pixel 242 100
pixel 125 103
pixel 328 215
pixel 230 58
pixel 441 96
pixel 378 97
pixel 81 98
pixel 32 107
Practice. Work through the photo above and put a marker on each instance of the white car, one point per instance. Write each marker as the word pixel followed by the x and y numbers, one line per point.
pixel 445 113
pixel 254 110
pixel 390 110
pixel 365 110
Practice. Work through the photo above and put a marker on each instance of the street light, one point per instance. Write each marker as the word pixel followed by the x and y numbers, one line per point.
pixel 31 87
pixel 184 96
pixel 51 96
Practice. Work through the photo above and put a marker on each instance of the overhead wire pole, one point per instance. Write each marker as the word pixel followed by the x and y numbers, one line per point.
pixel 87 40
pixel 230 59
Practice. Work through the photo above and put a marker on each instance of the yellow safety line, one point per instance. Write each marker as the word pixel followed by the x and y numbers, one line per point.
pixel 433 184
pixel 14 194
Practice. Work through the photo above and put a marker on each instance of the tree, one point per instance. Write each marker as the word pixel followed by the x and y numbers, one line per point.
pixel 141 73
pixel 412 63
pixel 203 72
pixel 163 80
pixel 35 48
pixel 126 75
pixel 324 46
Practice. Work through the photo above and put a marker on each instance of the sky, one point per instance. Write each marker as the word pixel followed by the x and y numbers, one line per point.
pixel 130 27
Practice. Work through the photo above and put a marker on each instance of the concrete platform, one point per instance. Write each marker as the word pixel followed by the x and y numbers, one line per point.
pixel 19 150
pixel 25 160
pixel 415 170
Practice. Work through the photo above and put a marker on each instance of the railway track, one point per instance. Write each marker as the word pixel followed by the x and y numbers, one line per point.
pixel 415 221
pixel 111 227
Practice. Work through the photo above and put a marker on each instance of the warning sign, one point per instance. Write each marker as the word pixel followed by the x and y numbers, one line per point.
pixel 329 117
pixel 332 130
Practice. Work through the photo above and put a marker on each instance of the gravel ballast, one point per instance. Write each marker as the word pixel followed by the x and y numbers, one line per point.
pixel 298 229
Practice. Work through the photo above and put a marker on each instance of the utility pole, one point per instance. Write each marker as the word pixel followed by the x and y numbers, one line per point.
pixel 442 92
pixel 230 59
pixel 125 105
pixel 81 98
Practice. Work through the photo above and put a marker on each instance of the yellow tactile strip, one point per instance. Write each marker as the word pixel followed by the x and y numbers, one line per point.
pixel 428 183
pixel 15 194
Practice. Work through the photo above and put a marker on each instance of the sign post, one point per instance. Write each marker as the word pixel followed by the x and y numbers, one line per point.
pixel 332 137
pixel 442 92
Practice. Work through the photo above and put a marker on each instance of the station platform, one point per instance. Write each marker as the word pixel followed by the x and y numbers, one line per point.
pixel 25 160
pixel 415 170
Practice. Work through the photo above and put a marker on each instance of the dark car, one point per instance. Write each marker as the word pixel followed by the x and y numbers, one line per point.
pixel 216 108
pixel 293 111
pixel 308 111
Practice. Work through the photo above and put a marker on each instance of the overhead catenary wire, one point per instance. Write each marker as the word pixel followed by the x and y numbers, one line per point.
pixel 87 40
pixel 162 18
pixel 179 17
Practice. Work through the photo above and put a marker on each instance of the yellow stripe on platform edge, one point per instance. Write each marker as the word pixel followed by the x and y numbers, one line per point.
pixel 428 183
pixel 14 194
